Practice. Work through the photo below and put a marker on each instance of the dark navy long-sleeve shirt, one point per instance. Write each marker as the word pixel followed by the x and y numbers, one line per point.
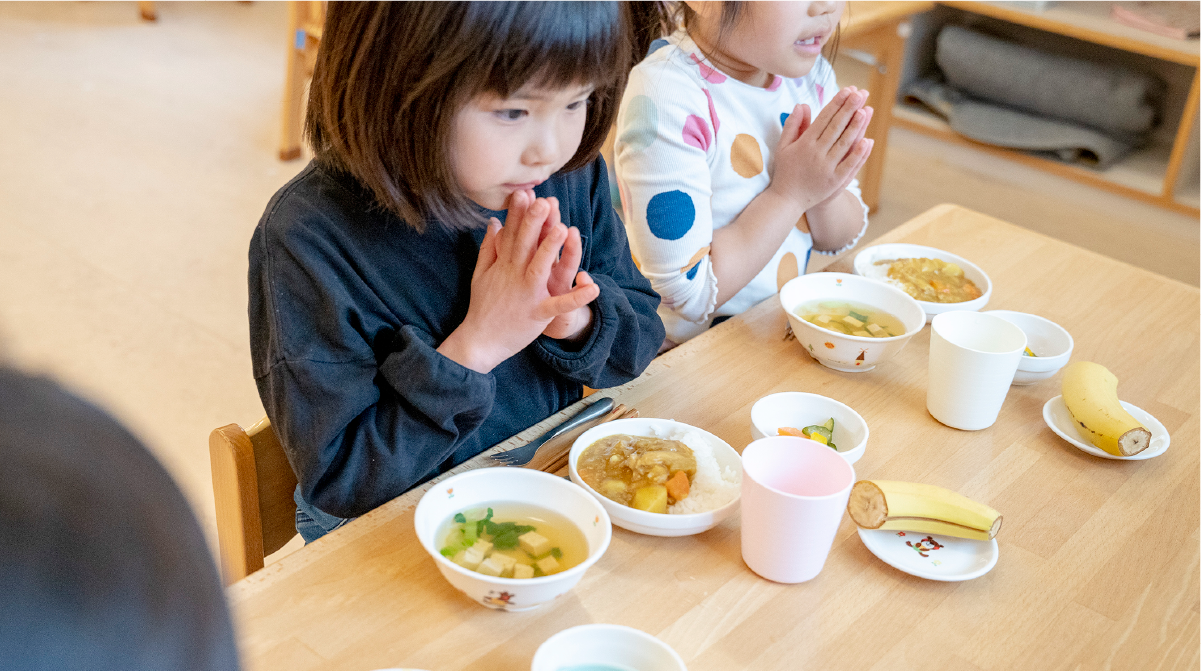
pixel 348 304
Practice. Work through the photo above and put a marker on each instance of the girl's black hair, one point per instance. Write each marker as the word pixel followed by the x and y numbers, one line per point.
pixel 390 77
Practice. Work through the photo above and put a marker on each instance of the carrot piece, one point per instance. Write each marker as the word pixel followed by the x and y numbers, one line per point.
pixel 678 486
pixel 789 431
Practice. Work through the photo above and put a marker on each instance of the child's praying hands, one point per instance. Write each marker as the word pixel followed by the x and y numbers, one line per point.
pixel 512 301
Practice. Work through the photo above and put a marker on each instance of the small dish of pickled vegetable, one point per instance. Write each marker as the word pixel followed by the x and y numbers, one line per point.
pixel 812 416
pixel 938 280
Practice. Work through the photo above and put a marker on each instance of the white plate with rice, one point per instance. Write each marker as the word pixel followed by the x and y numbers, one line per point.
pixel 715 489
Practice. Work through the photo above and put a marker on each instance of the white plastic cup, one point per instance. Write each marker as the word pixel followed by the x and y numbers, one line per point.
pixel 973 358
pixel 794 492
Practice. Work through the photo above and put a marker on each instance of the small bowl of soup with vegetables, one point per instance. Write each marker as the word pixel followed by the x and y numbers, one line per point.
pixel 658 476
pixel 511 538
pixel 847 322
pixel 938 280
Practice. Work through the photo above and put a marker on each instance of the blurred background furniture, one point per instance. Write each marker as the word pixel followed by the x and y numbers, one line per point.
pixel 253 486
pixel 305 22
pixel 874 33
pixel 1163 173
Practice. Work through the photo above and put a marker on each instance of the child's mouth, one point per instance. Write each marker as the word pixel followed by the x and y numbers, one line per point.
pixel 808 42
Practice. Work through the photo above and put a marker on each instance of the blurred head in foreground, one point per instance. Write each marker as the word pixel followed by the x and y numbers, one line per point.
pixel 102 564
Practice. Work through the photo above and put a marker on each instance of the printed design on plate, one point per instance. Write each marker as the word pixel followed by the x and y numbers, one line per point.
pixel 860 359
pixel 496 599
pixel 810 347
pixel 838 283
pixel 927 544
pixel 450 492
pixel 829 345
pixel 596 520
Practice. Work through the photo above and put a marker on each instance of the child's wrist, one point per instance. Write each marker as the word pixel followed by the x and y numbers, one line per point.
pixel 464 350
pixel 792 205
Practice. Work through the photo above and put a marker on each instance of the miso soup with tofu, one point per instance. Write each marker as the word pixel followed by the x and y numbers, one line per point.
pixel 851 318
pixel 511 540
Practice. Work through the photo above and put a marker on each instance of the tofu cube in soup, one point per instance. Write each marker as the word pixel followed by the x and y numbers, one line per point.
pixel 547 565
pixel 492 566
pixel 485 547
pixel 507 564
pixel 470 558
pixel 523 571
pixel 534 543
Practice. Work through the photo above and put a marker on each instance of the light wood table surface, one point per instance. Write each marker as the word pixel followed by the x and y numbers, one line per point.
pixel 1098 559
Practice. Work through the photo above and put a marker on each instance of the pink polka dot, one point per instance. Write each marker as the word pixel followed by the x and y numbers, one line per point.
pixel 775 83
pixel 696 132
pixel 821 94
pixel 707 73
pixel 712 113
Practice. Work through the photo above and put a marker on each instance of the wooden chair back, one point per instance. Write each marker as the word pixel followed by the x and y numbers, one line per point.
pixel 253 485
pixel 306 22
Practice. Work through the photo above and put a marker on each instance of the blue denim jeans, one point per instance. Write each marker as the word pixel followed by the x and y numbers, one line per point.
pixel 312 523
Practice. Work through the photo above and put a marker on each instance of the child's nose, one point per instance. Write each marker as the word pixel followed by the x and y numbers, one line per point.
pixel 543 148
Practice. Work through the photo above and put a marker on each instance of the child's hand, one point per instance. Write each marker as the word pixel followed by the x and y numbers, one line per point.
pixel 816 160
pixel 564 272
pixel 511 303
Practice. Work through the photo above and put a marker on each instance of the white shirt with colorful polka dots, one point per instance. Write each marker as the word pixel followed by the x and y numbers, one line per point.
pixel 693 148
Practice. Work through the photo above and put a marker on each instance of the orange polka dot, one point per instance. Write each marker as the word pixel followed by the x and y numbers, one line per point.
pixel 802 224
pixel 745 156
pixel 700 254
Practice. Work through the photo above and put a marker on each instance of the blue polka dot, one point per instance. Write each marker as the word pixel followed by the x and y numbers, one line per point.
pixel 692 272
pixel 641 123
pixel 784 117
pixel 670 215
pixel 657 45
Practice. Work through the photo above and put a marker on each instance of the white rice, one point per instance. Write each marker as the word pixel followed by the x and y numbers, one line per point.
pixel 713 486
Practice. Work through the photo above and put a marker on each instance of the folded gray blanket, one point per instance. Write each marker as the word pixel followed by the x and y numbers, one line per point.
pixel 1117 101
pixel 1015 129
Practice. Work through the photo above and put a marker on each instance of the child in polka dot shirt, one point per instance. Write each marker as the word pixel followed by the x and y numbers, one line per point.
pixel 735 146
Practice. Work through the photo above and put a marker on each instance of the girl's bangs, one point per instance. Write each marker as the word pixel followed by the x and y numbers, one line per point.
pixel 555 45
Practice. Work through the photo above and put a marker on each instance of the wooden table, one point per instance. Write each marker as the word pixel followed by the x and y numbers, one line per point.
pixel 1099 559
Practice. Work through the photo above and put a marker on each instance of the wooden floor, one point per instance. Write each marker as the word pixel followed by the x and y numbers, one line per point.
pixel 137 159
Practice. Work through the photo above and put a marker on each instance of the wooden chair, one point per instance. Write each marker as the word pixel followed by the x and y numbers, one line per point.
pixel 253 484
pixel 306 20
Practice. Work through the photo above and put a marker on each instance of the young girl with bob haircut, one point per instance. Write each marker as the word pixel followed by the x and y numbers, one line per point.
pixel 724 162
pixel 397 328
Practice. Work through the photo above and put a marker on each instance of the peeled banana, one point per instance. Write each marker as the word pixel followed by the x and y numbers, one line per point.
pixel 1090 392
pixel 912 506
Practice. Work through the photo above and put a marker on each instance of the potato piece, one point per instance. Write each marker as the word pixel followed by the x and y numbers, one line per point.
pixel 678 486
pixel 652 499
pixel 612 488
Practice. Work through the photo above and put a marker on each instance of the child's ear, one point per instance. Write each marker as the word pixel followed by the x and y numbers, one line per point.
pixel 704 7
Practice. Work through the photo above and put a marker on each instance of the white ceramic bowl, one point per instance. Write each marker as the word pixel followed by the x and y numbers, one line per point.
pixel 477 488
pixel 799 409
pixel 865 266
pixel 1049 341
pixel 657 524
pixel 848 353
pixel 605 646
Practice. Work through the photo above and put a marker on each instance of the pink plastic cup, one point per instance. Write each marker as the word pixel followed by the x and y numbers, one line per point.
pixel 794 492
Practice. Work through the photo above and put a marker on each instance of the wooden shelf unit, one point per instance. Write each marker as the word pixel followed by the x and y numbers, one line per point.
pixel 1163 173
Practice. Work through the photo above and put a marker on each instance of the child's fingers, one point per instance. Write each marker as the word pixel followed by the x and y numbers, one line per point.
pixel 565 268
pixel 539 268
pixel 577 298
pixel 518 203
pixel 525 243
pixel 827 113
pixel 840 119
pixel 850 166
pixel 583 279
pixel 487 255
pixel 794 125
pixel 851 136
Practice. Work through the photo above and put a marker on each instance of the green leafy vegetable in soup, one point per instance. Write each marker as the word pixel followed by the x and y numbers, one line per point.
pixel 529 542
pixel 851 318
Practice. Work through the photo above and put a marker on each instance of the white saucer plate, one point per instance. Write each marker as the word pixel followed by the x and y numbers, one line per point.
pixel 1057 416
pixel 932 556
